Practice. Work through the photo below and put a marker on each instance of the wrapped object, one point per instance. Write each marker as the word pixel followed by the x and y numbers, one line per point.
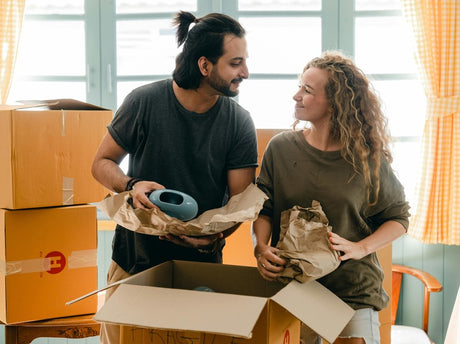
pixel 304 243
pixel 242 207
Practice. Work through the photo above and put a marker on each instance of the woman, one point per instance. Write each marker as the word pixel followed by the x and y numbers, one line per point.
pixel 342 160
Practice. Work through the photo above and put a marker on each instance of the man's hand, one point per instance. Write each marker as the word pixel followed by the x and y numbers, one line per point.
pixel 205 243
pixel 141 191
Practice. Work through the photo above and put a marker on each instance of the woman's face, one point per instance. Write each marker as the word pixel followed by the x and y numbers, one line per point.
pixel 311 102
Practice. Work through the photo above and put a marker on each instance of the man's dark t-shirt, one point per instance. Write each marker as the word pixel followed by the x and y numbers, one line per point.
pixel 182 150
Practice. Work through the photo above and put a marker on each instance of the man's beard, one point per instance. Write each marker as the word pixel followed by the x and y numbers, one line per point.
pixel 222 86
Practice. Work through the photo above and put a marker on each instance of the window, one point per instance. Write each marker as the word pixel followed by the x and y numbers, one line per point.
pixel 97 51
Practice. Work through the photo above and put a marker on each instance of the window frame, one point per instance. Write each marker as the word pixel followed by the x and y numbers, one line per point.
pixel 100 21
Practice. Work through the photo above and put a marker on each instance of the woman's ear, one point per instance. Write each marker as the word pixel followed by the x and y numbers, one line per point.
pixel 203 65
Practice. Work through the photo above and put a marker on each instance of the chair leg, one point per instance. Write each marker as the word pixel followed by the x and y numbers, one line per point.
pixel 11 335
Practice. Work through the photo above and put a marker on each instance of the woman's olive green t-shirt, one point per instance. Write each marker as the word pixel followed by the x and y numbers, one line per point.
pixel 295 173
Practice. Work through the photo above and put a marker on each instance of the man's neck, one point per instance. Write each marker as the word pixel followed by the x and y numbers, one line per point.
pixel 196 100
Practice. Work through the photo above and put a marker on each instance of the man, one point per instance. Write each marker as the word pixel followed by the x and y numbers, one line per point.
pixel 183 134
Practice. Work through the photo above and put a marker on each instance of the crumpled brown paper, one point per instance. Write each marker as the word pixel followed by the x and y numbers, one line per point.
pixel 242 207
pixel 304 243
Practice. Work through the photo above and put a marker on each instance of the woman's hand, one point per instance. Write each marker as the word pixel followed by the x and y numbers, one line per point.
pixel 384 235
pixel 347 249
pixel 269 264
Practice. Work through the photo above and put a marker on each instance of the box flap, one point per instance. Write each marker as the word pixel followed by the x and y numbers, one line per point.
pixel 180 309
pixel 56 104
pixel 316 306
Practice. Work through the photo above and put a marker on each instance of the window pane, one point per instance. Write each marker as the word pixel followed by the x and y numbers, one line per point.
pixel 372 5
pixel 406 162
pixel 52 48
pixel 404 105
pixel 279 5
pixel 143 6
pixel 41 90
pixel 55 7
pixel 274 46
pixel 146 47
pixel 383 45
pixel 269 102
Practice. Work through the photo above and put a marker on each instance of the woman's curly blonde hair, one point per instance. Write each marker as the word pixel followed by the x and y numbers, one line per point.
pixel 357 120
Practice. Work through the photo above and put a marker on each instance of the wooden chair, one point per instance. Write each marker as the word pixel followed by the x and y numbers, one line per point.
pixel 407 334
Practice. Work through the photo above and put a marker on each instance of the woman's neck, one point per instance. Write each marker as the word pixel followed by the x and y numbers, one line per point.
pixel 321 139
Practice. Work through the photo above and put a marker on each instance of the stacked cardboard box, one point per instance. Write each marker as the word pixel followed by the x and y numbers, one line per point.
pixel 48 229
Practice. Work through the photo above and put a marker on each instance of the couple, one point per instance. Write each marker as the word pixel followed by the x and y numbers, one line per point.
pixel 187 134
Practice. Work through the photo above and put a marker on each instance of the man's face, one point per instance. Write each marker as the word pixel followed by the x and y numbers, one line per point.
pixel 230 70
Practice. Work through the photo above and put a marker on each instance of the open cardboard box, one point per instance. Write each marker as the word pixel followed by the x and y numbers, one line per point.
pixel 244 307
pixel 46 152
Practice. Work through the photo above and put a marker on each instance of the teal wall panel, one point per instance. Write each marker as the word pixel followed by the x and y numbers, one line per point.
pixel 441 261
pixel 104 254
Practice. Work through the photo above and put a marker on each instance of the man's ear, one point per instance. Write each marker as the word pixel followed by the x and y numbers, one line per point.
pixel 203 65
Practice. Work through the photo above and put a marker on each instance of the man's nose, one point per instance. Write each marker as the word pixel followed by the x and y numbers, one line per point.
pixel 245 71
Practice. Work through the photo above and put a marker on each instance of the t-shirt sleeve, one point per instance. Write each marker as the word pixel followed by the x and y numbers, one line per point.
pixel 243 152
pixel 392 204
pixel 265 181
pixel 126 128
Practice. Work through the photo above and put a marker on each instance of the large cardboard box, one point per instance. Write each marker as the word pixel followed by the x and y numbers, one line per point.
pixel 162 305
pixel 48 256
pixel 46 153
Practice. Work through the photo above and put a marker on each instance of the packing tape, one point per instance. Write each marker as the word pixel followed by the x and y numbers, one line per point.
pixel 82 259
pixel 76 260
pixel 67 191
pixel 25 266
pixel 63 122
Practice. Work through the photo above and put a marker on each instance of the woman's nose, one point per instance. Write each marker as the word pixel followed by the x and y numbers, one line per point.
pixel 296 95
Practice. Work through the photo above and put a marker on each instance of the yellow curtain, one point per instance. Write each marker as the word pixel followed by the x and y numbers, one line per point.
pixel 436 29
pixel 12 14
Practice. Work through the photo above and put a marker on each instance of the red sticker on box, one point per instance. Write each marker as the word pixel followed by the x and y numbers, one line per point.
pixel 287 337
pixel 57 262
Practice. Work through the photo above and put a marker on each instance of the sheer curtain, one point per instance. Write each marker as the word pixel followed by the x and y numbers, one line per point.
pixel 436 29
pixel 11 14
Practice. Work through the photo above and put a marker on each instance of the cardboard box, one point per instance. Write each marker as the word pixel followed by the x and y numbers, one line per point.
pixel 161 303
pixel 48 256
pixel 46 154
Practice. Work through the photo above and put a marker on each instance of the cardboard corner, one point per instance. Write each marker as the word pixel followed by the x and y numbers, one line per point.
pixel 316 306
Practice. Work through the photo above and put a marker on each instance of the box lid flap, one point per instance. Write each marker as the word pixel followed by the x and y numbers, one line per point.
pixel 180 309
pixel 56 104
pixel 17 106
pixel 316 306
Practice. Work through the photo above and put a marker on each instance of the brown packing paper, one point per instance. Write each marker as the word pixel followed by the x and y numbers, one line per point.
pixel 304 243
pixel 242 207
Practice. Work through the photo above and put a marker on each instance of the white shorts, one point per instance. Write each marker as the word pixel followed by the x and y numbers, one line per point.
pixel 364 324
